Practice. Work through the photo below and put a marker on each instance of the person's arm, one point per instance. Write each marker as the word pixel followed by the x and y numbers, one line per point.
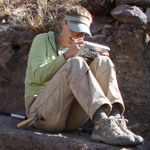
pixel 75 46
pixel 43 71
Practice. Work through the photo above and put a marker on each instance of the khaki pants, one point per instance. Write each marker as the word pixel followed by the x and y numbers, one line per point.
pixel 74 94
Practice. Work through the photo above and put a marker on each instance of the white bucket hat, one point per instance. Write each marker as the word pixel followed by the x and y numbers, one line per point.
pixel 78 24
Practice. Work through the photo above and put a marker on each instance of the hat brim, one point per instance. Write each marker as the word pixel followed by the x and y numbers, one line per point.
pixel 79 27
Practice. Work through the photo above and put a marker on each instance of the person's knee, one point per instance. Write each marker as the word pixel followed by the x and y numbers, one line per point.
pixel 77 58
pixel 101 64
pixel 78 61
pixel 77 66
pixel 105 61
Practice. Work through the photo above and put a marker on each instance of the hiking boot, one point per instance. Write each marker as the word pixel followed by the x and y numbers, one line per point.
pixel 122 124
pixel 108 131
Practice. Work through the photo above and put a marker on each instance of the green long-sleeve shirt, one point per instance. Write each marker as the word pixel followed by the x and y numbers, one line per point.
pixel 43 63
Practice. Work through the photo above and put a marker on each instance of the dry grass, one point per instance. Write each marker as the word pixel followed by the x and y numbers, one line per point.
pixel 4 9
pixel 36 13
pixel 48 9
pixel 34 19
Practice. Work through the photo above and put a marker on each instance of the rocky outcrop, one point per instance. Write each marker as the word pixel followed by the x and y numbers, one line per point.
pixel 127 11
pixel 147 13
pixel 14 47
pixel 18 139
pixel 140 3
pixel 130 52
pixel 129 15
pixel 136 12
pixel 98 6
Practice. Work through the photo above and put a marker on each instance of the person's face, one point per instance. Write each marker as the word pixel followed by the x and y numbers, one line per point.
pixel 67 31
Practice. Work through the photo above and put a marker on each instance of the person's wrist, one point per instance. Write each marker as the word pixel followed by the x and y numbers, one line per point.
pixel 66 57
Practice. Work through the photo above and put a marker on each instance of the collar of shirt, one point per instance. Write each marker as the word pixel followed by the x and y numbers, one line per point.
pixel 60 49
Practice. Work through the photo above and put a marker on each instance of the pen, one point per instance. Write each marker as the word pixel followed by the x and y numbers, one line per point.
pixel 71 38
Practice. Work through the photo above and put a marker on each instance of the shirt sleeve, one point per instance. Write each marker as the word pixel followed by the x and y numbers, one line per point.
pixel 42 70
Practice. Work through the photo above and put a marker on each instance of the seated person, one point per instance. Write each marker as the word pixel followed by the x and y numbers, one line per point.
pixel 64 91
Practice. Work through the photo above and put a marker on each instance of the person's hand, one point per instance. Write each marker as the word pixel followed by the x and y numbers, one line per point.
pixel 103 54
pixel 75 46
